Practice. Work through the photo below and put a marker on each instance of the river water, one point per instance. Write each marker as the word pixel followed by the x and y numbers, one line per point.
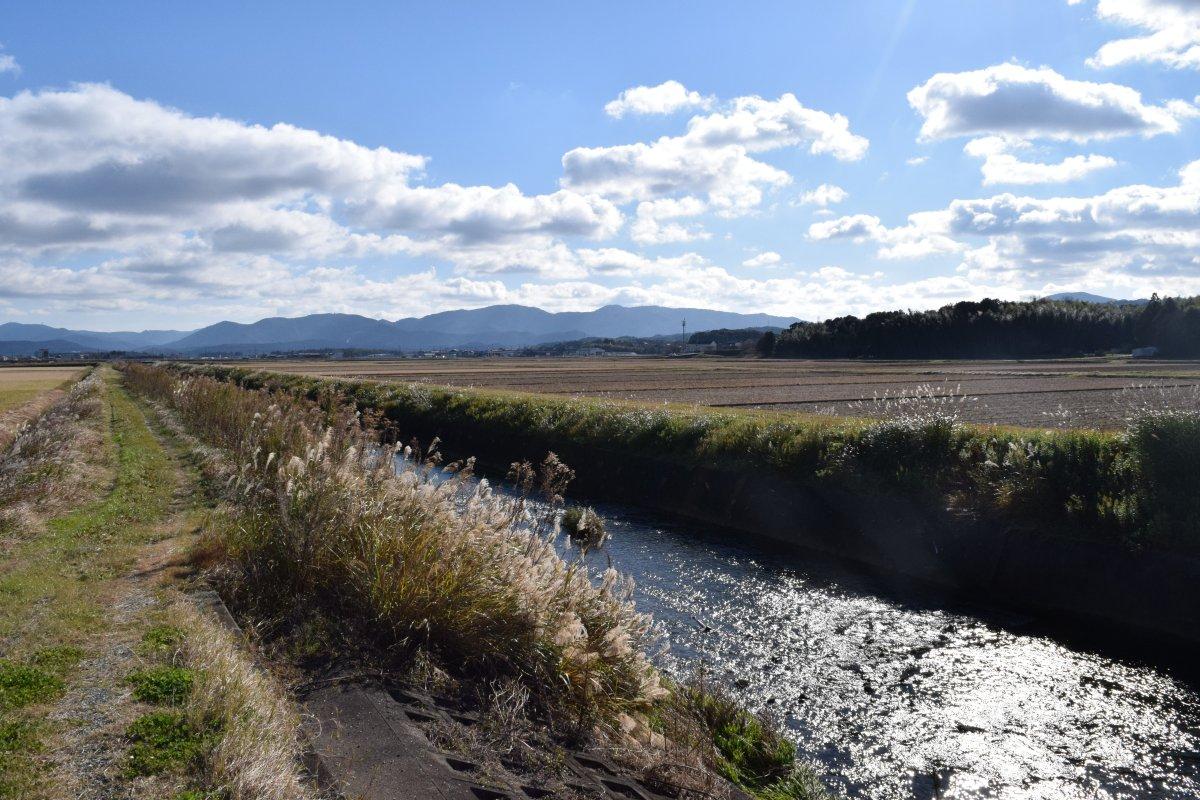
pixel 896 693
pixel 893 695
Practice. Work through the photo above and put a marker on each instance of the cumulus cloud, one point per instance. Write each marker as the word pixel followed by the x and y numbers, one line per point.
pixel 916 161
pixel 1171 33
pixel 654 223
pixel 1137 235
pixel 91 166
pixel 713 158
pixel 1002 165
pixel 764 259
pixel 824 195
pixel 1008 106
pixel 665 98
pixel 1026 103
pixel 8 63
pixel 923 236
pixel 759 125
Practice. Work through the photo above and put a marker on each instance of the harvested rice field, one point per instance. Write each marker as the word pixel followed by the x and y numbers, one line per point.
pixel 18 385
pixel 27 391
pixel 1083 393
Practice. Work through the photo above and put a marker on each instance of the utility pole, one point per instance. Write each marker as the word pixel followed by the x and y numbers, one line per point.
pixel 684 332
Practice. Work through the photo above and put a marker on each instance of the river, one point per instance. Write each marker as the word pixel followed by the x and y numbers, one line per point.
pixel 899 694
pixel 894 695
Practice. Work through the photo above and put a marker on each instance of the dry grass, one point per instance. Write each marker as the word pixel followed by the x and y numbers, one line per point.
pixel 54 461
pixel 257 756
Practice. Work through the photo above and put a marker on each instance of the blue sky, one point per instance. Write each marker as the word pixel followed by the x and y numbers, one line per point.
pixel 169 166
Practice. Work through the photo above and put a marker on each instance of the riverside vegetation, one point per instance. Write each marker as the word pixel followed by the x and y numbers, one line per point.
pixel 1135 488
pixel 336 554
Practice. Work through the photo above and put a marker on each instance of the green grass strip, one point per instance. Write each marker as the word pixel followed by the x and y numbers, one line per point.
pixel 48 596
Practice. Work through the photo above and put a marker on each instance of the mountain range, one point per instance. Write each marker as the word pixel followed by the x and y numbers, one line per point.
pixel 1088 297
pixel 481 328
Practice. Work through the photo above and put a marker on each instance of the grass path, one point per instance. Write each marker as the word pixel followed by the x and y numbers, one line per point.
pixel 76 600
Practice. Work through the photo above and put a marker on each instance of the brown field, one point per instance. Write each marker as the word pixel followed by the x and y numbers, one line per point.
pixel 1092 392
pixel 26 391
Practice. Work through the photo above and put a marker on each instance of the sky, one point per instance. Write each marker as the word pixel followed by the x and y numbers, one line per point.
pixel 172 165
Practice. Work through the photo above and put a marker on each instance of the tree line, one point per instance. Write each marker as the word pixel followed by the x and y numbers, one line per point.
pixel 999 329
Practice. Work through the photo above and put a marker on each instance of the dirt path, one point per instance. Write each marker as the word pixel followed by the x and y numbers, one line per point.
pixel 99 706
pixel 87 585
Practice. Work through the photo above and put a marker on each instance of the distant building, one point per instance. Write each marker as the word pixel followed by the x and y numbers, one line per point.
pixel 1145 352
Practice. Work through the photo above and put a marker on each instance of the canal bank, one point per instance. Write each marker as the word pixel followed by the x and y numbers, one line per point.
pixel 907 500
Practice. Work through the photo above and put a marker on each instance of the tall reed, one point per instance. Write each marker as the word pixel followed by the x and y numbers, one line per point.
pixel 325 522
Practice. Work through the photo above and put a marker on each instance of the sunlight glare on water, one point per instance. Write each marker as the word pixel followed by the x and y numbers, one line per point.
pixel 896 698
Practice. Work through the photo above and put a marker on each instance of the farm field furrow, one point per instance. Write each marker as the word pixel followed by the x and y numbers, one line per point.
pixel 1087 392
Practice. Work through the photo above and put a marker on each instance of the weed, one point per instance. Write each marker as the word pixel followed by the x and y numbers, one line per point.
pixel 326 523
pixel 161 640
pixel 164 741
pixel 162 685
pixel 18 735
pixel 802 784
pixel 19 741
pixel 1105 486
pixel 201 794
pixel 749 750
pixel 23 685
pixel 58 660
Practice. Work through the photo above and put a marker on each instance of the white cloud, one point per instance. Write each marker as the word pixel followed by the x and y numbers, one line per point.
pixel 1002 165
pixel 1026 103
pixel 8 63
pixel 1137 235
pixel 1171 33
pixel 760 125
pixel 649 226
pixel 712 159
pixel 91 169
pixel 824 195
pixel 1007 106
pixel 916 161
pixel 765 259
pixel 732 181
pixel 665 98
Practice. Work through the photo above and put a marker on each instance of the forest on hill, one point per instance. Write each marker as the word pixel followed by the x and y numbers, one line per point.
pixel 999 329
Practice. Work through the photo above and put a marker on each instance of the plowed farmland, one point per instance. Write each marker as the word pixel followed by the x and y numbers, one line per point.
pixel 1090 393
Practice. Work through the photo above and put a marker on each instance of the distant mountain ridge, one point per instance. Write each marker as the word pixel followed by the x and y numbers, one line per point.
pixel 481 328
pixel 1088 297
pixel 95 341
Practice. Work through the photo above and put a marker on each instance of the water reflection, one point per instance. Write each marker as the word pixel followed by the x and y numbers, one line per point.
pixel 897 699
pixel 895 696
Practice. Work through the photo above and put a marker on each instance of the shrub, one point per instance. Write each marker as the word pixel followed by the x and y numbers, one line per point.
pixel 1166 446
